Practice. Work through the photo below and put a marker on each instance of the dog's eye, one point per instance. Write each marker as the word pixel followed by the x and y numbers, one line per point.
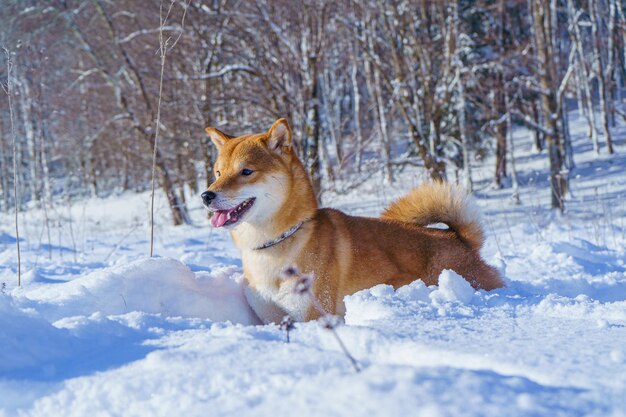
pixel 217 173
pixel 246 171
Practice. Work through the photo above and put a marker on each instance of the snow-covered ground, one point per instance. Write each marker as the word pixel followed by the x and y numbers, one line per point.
pixel 98 328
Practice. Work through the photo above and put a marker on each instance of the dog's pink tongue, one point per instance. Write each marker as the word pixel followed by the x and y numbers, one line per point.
pixel 219 218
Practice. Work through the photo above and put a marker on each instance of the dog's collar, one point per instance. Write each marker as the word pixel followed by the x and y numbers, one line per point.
pixel 282 237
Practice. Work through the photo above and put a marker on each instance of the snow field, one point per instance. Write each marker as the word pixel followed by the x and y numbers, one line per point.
pixel 99 329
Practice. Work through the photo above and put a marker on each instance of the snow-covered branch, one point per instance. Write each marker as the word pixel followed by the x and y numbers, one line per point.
pixel 133 35
pixel 222 72
pixel 528 121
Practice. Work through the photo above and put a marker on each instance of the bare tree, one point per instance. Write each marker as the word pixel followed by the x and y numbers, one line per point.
pixel 376 83
pixel 599 70
pixel 542 14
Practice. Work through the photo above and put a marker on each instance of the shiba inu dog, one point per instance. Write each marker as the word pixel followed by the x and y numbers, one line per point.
pixel 264 197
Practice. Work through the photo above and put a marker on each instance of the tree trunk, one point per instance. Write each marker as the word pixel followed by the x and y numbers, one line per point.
pixel 501 142
pixel 599 65
pixel 206 146
pixel 620 46
pixel 542 28
pixel 467 172
pixel 567 138
pixel 538 138
pixel 382 126
pixel 125 177
pixel 180 166
pixel 357 114
pixel 586 73
pixel 43 150
pixel 93 175
pixel 455 60
pixel 509 136
pixel 29 126
pixel 580 102
pixel 312 131
pixel 500 104
pixel 612 37
pixel 332 126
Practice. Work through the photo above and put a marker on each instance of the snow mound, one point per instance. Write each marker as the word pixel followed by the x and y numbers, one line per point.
pixel 156 286
pixel 452 287
pixel 450 297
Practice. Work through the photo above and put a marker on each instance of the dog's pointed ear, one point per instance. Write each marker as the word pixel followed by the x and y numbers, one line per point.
pixel 279 136
pixel 218 137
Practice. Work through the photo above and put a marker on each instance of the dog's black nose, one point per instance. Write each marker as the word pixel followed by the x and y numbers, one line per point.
pixel 207 196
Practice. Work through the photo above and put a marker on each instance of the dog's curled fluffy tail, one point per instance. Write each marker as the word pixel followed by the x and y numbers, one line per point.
pixel 439 202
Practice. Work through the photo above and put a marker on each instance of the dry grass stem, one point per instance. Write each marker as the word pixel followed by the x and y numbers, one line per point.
pixel 303 284
pixel 9 92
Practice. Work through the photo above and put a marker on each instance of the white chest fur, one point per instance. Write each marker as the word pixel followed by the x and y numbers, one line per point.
pixel 270 296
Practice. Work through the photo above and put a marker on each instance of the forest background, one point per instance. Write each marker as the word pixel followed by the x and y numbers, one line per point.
pixel 367 85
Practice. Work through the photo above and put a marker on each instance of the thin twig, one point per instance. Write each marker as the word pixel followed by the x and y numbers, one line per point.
pixel 303 283
pixel 17 229
pixel 163 52
pixel 287 325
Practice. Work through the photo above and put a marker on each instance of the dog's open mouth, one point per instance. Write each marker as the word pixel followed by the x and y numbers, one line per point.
pixel 231 216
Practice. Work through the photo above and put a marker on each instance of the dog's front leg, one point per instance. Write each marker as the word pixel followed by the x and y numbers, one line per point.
pixel 263 306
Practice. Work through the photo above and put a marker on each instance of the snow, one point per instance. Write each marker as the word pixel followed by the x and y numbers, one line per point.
pixel 157 286
pixel 452 287
pixel 98 328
